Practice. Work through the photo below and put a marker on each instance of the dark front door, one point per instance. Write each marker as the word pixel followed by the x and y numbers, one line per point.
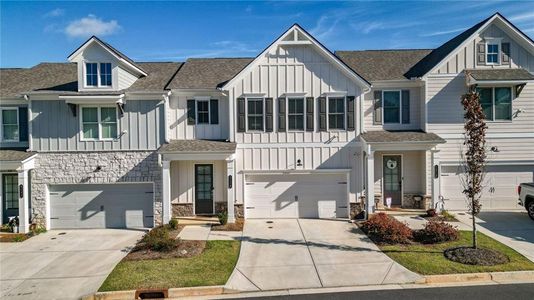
pixel 203 189
pixel 392 179
pixel 10 196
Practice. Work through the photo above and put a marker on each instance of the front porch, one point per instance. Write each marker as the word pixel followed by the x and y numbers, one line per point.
pixel 399 172
pixel 198 179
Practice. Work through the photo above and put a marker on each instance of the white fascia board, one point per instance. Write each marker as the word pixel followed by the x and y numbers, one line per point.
pixel 411 146
pixel 9 165
pixel 107 99
pixel 326 53
pixel 398 83
pixel 196 156
pixel 496 82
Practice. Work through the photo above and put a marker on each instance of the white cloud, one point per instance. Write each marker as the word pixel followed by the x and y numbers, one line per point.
pixel 224 48
pixel 58 12
pixel 435 33
pixel 91 25
pixel 368 27
pixel 529 16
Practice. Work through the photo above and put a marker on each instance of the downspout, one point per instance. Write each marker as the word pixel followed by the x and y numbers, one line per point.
pixel 30 142
pixel 166 100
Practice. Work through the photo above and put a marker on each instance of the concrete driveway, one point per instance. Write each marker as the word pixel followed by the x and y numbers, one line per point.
pixel 512 228
pixel 305 253
pixel 65 264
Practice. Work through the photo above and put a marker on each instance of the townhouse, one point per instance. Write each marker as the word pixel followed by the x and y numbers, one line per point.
pixel 295 132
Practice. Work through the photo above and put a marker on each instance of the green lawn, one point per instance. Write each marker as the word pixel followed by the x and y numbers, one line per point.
pixel 429 259
pixel 212 267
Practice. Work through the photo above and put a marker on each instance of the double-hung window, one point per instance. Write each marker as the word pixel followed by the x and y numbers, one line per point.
pixel 492 55
pixel 98 74
pixel 336 113
pixel 203 112
pixel 255 114
pixel 496 103
pixel 295 113
pixel 99 123
pixel 392 107
pixel 10 124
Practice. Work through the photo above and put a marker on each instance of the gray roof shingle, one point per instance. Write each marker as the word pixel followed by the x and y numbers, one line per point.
pixel 192 146
pixel 500 74
pixel 15 154
pixel 207 73
pixel 382 136
pixel 382 64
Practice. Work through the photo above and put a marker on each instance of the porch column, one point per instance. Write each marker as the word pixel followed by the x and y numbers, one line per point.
pixel 166 193
pixel 370 187
pixel 230 185
pixel 435 174
pixel 24 201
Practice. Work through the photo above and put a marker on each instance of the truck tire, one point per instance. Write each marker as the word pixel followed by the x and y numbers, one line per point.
pixel 530 209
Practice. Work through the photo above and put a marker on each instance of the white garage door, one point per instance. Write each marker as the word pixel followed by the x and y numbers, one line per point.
pixel 296 196
pixel 500 187
pixel 101 205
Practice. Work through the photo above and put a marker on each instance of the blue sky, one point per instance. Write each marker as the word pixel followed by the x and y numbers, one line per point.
pixel 173 31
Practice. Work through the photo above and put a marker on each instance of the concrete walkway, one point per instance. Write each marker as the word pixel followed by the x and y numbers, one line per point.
pixel 305 253
pixel 65 264
pixel 204 233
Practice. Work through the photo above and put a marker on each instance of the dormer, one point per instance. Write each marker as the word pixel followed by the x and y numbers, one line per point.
pixel 103 68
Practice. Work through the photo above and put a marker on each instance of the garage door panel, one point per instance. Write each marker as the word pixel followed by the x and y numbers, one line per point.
pixel 101 206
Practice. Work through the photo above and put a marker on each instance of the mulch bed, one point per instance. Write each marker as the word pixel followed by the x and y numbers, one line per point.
pixel 13 237
pixel 438 218
pixel 479 257
pixel 184 249
pixel 237 226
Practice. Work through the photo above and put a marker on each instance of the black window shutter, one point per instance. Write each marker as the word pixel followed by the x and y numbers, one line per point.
pixel 377 107
pixel 191 112
pixel 241 115
pixel 281 114
pixel 350 113
pixel 505 59
pixel 269 114
pixel 214 111
pixel 23 124
pixel 481 53
pixel 322 113
pixel 405 107
pixel 309 113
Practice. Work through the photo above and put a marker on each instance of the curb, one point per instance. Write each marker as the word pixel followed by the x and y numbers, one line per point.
pixel 479 277
pixel 170 293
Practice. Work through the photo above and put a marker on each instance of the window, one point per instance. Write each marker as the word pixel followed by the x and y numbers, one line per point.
pixel 98 74
pixel 295 113
pixel 203 112
pixel 392 106
pixel 336 113
pixel 99 123
pixel 10 188
pixel 10 124
pixel 492 56
pixel 255 113
pixel 496 103
pixel 105 74
pixel 91 73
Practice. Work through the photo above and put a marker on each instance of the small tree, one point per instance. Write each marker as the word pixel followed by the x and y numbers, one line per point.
pixel 474 157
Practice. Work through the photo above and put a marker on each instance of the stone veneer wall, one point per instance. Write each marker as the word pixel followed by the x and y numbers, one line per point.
pixel 81 167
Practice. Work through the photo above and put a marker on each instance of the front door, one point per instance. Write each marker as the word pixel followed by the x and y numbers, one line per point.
pixel 392 179
pixel 203 189
pixel 10 197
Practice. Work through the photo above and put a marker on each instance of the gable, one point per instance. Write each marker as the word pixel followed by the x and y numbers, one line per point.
pixel 297 49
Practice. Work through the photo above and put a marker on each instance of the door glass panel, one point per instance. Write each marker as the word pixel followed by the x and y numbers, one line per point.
pixel 11 198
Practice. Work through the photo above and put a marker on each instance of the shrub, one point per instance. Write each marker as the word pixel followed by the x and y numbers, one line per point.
pixel 436 232
pixel 447 216
pixel 223 217
pixel 431 212
pixel 158 239
pixel 173 223
pixel 385 229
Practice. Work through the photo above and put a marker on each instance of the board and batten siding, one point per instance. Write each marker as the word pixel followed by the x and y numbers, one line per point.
pixel 183 181
pixel 294 69
pixel 180 130
pixel 54 128
pixel 312 158
pixel 466 57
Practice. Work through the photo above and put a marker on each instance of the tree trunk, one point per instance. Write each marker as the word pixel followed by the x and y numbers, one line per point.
pixel 475 243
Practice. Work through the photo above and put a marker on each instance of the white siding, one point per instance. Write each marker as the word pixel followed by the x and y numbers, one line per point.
pixel 125 78
pixel 183 181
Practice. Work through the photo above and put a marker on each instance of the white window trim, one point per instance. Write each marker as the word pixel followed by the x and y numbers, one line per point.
pixel 246 114
pixel 2 124
pixel 197 111
pixel 512 95
pixel 384 107
pixel 493 41
pixel 98 79
pixel 303 114
pixel 344 113
pixel 99 120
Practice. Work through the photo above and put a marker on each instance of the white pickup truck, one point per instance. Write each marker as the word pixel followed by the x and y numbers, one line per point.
pixel 526 197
